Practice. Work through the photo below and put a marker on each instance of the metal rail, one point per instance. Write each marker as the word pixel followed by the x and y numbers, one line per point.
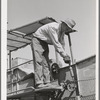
pixel 19 65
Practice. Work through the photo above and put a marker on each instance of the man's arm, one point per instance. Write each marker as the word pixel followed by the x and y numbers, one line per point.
pixel 63 43
pixel 54 38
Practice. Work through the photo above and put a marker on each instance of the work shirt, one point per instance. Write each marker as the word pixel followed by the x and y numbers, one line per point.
pixel 50 33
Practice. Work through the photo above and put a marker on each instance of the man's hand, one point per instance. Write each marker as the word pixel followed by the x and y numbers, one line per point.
pixel 66 59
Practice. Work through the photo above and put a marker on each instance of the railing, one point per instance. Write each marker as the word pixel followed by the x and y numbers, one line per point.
pixel 13 84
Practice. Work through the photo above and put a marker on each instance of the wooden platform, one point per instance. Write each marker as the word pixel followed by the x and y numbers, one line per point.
pixel 32 91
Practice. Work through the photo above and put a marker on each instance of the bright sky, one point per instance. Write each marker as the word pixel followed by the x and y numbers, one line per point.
pixel 21 12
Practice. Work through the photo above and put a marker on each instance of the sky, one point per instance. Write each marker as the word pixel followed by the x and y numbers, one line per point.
pixel 21 12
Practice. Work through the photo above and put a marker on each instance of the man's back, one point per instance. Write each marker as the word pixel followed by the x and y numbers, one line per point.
pixel 43 33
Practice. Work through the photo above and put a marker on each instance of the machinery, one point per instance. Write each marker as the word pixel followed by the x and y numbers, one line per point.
pixel 21 37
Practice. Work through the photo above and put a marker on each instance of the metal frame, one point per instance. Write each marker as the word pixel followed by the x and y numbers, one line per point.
pixel 19 34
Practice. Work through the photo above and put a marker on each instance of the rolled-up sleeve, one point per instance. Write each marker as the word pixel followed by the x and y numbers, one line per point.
pixel 54 38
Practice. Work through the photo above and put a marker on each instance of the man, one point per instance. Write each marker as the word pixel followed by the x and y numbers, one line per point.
pixel 52 34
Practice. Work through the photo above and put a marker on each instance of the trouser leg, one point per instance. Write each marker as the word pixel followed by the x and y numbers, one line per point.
pixel 42 74
pixel 36 59
pixel 46 66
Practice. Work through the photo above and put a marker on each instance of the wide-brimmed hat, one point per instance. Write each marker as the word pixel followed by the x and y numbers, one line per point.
pixel 70 23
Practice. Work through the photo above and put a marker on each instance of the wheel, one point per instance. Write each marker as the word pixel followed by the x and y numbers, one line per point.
pixel 54 71
pixel 71 87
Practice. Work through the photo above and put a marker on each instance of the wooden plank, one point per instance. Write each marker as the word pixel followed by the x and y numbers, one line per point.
pixel 48 89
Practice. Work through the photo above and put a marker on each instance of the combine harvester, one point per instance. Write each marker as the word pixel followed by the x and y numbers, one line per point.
pixel 73 82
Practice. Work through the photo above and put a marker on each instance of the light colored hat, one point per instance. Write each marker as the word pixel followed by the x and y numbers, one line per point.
pixel 71 23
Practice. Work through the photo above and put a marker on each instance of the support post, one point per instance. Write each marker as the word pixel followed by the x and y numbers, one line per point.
pixel 77 89
pixel 9 59
pixel 10 70
pixel 72 59
pixel 70 46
